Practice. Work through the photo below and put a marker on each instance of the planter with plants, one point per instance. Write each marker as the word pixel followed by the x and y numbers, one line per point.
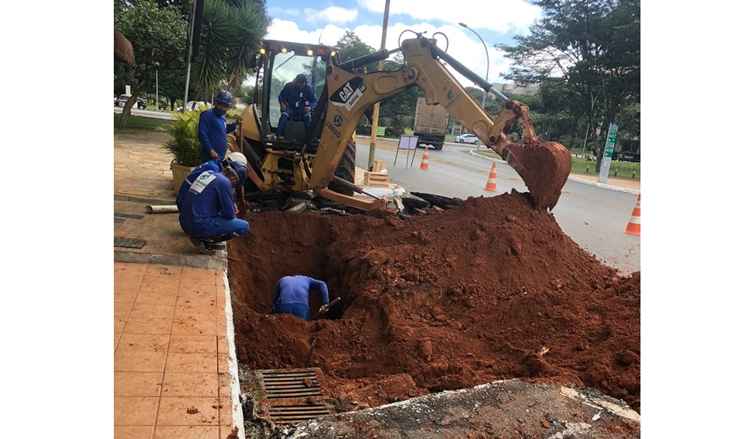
pixel 184 145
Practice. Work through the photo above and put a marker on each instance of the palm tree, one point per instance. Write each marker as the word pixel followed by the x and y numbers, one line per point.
pixel 231 31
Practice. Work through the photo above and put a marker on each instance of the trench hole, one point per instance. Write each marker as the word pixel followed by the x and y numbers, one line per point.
pixel 257 264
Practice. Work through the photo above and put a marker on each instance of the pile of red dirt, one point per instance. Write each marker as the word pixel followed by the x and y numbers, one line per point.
pixel 488 291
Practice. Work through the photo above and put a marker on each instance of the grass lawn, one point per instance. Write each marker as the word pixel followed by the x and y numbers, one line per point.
pixel 620 169
pixel 142 123
pixel 581 166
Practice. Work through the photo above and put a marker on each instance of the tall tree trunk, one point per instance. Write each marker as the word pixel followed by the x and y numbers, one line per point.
pixel 123 122
pixel 171 102
pixel 603 132
pixel 586 137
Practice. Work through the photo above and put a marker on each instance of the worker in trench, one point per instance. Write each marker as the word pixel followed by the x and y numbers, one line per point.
pixel 206 201
pixel 213 128
pixel 296 101
pixel 292 296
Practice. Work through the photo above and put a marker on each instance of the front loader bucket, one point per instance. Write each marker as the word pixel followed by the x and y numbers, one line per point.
pixel 543 166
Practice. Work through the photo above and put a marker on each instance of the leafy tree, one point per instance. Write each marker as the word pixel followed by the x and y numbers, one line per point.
pixel 247 93
pixel 397 112
pixel 350 46
pixel 158 34
pixel 593 47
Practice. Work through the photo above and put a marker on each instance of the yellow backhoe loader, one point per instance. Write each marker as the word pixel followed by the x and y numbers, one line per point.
pixel 321 159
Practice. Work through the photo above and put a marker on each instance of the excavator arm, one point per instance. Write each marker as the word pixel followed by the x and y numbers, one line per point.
pixel 544 166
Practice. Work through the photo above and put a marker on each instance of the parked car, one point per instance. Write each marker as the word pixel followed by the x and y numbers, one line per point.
pixel 140 103
pixel 467 138
pixel 195 105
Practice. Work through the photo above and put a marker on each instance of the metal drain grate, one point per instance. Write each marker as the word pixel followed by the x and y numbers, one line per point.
pixel 298 413
pixel 291 395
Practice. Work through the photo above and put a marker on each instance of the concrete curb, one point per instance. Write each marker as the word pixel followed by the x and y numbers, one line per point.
pixel 573 178
pixel 604 186
pixel 237 415
pixel 216 262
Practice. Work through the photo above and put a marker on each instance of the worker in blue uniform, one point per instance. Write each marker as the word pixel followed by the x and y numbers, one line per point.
pixel 293 295
pixel 208 213
pixel 213 128
pixel 297 100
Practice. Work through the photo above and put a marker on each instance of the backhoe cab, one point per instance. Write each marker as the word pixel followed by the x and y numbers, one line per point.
pixel 284 164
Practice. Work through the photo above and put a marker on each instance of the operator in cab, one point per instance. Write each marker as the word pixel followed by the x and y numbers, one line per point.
pixel 293 295
pixel 213 128
pixel 208 213
pixel 297 100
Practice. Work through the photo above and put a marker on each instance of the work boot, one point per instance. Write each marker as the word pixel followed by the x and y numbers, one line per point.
pixel 202 246
pixel 217 246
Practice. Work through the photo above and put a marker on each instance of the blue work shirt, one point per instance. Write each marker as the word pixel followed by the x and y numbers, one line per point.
pixel 297 98
pixel 210 197
pixel 212 133
pixel 296 289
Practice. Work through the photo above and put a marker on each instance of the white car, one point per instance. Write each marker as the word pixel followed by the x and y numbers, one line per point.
pixel 196 105
pixel 467 138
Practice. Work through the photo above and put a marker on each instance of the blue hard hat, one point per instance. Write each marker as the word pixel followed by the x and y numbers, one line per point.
pixel 223 97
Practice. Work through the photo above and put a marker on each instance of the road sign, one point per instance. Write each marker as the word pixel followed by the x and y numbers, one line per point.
pixel 381 131
pixel 609 148
pixel 409 143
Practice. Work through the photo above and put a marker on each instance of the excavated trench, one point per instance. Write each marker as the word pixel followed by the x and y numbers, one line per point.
pixel 487 291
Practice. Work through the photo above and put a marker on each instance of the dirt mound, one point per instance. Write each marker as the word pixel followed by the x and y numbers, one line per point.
pixel 488 291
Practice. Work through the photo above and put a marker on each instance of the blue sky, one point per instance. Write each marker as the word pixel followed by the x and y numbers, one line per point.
pixel 497 21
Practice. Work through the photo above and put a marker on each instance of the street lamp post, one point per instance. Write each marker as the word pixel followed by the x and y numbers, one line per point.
pixel 157 85
pixel 189 57
pixel 487 54
pixel 376 107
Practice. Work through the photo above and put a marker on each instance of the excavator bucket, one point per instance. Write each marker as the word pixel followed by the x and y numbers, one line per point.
pixel 543 166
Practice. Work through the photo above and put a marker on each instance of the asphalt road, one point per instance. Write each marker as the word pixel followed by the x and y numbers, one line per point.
pixel 594 217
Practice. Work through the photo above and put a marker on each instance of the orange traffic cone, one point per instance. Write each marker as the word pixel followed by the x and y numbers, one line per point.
pixel 491 186
pixel 425 159
pixel 634 225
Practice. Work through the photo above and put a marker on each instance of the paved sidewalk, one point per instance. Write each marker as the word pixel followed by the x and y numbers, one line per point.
pixel 175 370
pixel 171 362
pixel 171 355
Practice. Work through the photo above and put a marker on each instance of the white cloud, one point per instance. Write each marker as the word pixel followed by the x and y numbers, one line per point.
pixel 281 11
pixel 464 46
pixel 332 14
pixel 498 15
pixel 286 30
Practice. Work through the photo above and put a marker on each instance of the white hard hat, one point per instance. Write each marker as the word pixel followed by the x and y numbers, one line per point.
pixel 237 157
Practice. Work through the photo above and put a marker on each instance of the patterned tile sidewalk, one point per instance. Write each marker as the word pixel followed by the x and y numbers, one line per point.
pixel 171 357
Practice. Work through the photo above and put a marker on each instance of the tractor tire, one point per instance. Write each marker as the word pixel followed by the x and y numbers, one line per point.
pixel 345 170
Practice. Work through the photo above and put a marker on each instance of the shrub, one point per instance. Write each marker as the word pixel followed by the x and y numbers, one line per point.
pixel 184 144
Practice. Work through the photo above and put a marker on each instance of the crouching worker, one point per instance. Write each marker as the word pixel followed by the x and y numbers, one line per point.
pixel 208 213
pixel 293 295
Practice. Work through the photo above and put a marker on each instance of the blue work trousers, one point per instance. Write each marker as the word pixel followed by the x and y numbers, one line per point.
pixel 305 117
pixel 297 309
pixel 217 229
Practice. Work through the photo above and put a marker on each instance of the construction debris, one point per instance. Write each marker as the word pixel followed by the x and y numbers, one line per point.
pixel 501 409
